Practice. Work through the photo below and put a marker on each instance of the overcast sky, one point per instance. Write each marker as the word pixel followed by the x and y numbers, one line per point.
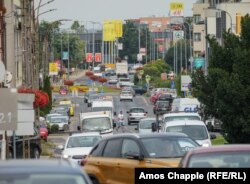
pixel 100 10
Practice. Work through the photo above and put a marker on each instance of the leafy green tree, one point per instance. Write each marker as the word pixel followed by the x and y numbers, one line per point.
pixel 75 26
pixel 225 90
pixel 131 42
pixel 169 58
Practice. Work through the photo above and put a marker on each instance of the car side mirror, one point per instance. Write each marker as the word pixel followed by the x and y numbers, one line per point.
pixel 114 113
pixel 154 127
pixel 114 125
pixel 127 112
pixel 78 128
pixel 212 136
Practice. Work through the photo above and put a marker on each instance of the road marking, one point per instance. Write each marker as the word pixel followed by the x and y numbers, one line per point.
pixel 144 100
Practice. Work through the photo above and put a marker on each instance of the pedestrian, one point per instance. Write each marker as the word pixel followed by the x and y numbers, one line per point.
pixel 120 121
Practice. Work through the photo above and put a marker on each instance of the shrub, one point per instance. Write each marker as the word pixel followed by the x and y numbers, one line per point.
pixel 54 128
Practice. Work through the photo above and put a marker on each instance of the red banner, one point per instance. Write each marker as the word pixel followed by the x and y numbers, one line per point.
pixel 89 57
pixel 98 57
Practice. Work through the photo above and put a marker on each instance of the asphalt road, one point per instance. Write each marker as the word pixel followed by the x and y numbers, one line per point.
pixel 80 106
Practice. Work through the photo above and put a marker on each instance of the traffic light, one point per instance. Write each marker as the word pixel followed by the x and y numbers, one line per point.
pixel 238 23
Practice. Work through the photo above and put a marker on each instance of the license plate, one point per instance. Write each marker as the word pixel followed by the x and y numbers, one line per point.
pixel 164 108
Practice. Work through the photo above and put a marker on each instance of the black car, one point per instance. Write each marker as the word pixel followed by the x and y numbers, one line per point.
pixel 41 172
pixel 22 141
pixel 110 72
pixel 162 107
pixel 165 97
pixel 139 90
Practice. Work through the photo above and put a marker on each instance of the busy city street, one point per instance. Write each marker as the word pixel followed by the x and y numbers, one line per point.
pixel 124 91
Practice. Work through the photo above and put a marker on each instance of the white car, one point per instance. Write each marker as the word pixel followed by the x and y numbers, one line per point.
pixel 61 121
pixel 195 129
pixel 145 125
pixel 126 95
pixel 180 116
pixel 79 145
pixel 135 114
pixel 113 80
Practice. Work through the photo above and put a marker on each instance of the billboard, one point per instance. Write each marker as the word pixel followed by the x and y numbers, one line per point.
pixel 65 55
pixel 176 9
pixel 53 69
pixel 185 82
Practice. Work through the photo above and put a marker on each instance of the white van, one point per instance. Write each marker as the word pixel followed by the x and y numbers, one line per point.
pixel 195 129
pixel 185 105
pixel 103 105
pixel 180 116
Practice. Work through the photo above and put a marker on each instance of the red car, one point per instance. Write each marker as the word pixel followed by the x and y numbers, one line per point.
pixel 223 156
pixel 43 132
pixel 155 97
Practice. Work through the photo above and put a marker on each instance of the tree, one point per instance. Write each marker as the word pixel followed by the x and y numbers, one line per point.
pixel 75 26
pixel 225 90
pixel 169 58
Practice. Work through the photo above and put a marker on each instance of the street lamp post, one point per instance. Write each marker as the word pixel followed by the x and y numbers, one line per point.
pixel 190 43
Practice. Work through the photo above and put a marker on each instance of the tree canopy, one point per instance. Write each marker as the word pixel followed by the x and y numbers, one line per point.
pixel 225 91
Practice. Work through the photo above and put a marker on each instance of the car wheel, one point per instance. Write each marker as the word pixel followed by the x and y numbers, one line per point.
pixel 131 100
pixel 66 128
pixel 88 105
pixel 36 153
pixel 129 122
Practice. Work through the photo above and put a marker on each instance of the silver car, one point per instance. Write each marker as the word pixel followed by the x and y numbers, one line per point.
pixel 135 114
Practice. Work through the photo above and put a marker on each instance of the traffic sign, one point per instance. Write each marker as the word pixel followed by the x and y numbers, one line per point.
pixel 53 69
pixel 164 76
pixel 177 35
pixel 98 57
pixel 141 72
pixel 89 57
pixel 148 78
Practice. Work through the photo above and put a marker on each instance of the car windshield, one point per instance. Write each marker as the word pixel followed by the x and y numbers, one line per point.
pixel 59 119
pixel 168 147
pixel 137 110
pixel 196 132
pixel 230 159
pixel 97 109
pixel 96 124
pixel 48 178
pixel 146 124
pixel 173 118
pixel 82 141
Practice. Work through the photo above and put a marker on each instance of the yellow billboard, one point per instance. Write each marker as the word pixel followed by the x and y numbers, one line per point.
pixel 53 69
pixel 118 28
pixel 176 9
pixel 109 31
pixel 176 6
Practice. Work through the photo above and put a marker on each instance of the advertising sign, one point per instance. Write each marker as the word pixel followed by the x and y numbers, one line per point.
pixel 185 82
pixel 98 57
pixel 199 62
pixel 164 76
pixel 53 69
pixel 176 9
pixel 89 57
pixel 65 55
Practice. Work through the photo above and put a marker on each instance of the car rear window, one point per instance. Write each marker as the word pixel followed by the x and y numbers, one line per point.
pixel 137 110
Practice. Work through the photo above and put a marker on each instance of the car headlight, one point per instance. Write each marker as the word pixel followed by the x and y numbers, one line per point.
pixel 65 156
pixel 205 144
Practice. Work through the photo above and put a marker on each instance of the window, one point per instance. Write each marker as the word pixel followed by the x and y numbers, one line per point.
pixel 130 147
pixel 112 148
pixel 197 37
pixel 97 150
pixel 197 19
